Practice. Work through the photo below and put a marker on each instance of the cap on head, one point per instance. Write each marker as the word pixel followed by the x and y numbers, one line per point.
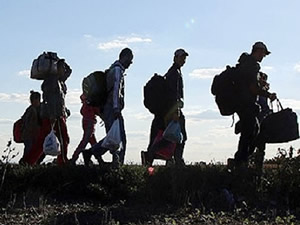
pixel 180 52
pixel 260 45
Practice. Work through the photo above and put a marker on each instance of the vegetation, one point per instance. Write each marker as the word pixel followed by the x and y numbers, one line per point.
pixel 195 194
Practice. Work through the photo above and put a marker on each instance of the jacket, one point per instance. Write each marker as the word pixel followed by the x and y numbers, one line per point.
pixel 247 72
pixel 115 86
pixel 174 83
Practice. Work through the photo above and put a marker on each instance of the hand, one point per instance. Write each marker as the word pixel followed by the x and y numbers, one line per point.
pixel 272 96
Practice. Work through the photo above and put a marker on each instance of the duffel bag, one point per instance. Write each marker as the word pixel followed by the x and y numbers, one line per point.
pixel 281 126
pixel 44 65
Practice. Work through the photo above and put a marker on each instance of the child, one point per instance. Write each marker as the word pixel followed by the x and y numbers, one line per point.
pixel 31 126
pixel 89 120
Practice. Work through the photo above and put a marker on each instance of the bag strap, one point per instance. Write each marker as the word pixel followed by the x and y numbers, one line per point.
pixel 278 103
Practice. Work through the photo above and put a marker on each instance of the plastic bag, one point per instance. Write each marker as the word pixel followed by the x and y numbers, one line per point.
pixel 173 132
pixel 166 152
pixel 113 137
pixel 51 144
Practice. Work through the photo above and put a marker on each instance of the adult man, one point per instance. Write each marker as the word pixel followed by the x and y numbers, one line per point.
pixel 174 92
pixel 248 89
pixel 113 107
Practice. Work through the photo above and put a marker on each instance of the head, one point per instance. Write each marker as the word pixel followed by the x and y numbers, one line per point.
pixel 126 57
pixel 259 51
pixel 262 80
pixel 180 57
pixel 35 98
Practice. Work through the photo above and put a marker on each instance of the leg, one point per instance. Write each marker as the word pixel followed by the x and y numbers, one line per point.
pixel 180 147
pixel 248 123
pixel 61 129
pixel 88 136
pixel 124 141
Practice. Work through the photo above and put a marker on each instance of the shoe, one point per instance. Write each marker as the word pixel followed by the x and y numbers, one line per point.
pixel 99 160
pixel 170 162
pixel 87 157
pixel 116 160
pixel 179 162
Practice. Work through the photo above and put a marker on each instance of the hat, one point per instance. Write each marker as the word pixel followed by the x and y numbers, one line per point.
pixel 260 45
pixel 180 52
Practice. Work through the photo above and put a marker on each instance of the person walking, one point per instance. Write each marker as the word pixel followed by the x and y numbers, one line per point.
pixel 172 111
pixel 31 128
pixel 113 108
pixel 248 90
pixel 89 120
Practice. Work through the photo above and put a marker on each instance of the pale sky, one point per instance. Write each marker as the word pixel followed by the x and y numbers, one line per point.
pixel 90 34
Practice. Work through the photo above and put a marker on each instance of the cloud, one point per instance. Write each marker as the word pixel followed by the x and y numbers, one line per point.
pixel 73 97
pixel 291 103
pixel 14 97
pixel 122 42
pixel 6 121
pixel 297 67
pixel 203 115
pixel 267 69
pixel 205 73
pixel 24 73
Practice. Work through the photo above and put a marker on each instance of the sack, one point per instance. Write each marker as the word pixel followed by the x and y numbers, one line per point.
pixel 17 130
pixel 167 152
pixel 155 95
pixel 44 65
pixel 173 132
pixel 224 89
pixel 51 145
pixel 94 88
pixel 279 127
pixel 113 137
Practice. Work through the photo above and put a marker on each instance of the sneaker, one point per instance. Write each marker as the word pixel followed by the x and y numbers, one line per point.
pixel 87 157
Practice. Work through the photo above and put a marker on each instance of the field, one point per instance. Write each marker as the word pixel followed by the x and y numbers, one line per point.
pixel 195 194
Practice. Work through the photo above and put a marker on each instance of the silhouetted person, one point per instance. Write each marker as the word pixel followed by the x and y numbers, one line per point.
pixel 248 69
pixel 113 108
pixel 173 110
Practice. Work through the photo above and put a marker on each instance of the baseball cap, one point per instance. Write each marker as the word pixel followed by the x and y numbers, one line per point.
pixel 180 52
pixel 261 45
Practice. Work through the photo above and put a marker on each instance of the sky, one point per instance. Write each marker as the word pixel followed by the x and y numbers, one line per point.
pixel 89 34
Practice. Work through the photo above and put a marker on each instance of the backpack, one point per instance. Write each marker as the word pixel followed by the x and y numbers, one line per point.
pixel 94 88
pixel 17 131
pixel 224 89
pixel 45 64
pixel 155 95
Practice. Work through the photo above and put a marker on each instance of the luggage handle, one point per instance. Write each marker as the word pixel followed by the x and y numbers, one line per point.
pixel 278 103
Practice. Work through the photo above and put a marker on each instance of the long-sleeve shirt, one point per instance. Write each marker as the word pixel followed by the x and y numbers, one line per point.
pixel 115 86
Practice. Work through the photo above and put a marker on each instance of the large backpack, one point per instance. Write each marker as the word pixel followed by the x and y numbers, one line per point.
pixel 45 64
pixel 224 89
pixel 94 88
pixel 155 94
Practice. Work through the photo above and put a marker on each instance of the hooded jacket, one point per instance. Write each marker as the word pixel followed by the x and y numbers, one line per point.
pixel 115 86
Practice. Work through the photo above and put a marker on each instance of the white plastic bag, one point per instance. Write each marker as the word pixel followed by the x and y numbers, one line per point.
pixel 173 132
pixel 51 144
pixel 113 137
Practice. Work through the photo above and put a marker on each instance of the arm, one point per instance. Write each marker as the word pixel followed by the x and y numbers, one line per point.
pixel 116 90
